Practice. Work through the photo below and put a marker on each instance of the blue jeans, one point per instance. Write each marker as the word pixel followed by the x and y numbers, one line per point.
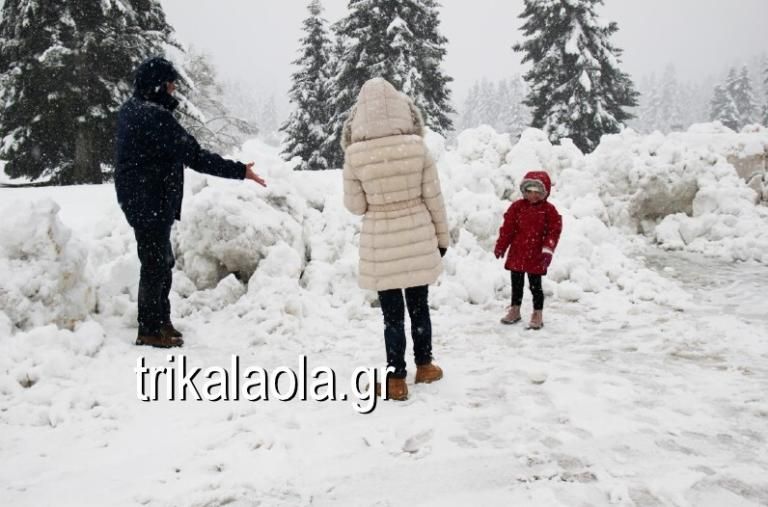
pixel 393 309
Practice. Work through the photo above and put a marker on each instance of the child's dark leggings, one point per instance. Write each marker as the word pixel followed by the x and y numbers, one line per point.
pixel 534 281
pixel 393 308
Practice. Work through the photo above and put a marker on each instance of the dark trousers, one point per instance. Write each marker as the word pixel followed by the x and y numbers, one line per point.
pixel 416 299
pixel 156 257
pixel 534 282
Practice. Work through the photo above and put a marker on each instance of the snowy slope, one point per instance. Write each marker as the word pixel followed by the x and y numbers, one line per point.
pixel 646 387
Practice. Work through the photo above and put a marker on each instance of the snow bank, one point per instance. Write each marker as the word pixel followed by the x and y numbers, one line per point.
pixel 683 191
pixel 231 228
pixel 43 268
pixel 239 244
pixel 480 179
pixel 33 359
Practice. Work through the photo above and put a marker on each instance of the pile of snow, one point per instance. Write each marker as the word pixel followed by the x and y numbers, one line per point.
pixel 239 244
pixel 36 358
pixel 43 269
pixel 682 191
pixel 592 264
pixel 231 229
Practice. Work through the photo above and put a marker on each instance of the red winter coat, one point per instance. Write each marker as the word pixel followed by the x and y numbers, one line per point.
pixel 530 231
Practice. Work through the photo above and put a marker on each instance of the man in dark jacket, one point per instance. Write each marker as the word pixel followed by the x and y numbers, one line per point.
pixel 152 150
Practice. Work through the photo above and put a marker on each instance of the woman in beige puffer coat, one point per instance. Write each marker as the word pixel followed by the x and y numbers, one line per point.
pixel 390 178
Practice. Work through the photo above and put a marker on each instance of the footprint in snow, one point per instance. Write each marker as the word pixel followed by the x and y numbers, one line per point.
pixel 418 441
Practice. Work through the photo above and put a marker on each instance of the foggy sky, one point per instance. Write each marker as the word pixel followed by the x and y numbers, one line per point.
pixel 255 41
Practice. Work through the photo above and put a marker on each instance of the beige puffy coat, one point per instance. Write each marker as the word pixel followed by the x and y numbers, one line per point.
pixel 390 178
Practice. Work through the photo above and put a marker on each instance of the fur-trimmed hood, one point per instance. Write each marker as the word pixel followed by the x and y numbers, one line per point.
pixel 538 179
pixel 381 111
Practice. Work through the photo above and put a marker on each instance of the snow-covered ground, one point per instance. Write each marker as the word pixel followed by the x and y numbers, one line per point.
pixel 646 387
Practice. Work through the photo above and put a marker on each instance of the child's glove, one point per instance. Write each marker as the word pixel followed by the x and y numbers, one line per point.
pixel 546 259
pixel 499 252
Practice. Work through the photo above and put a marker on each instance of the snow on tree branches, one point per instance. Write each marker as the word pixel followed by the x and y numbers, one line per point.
pixel 576 87
pixel 398 40
pixel 306 126
pixel 65 68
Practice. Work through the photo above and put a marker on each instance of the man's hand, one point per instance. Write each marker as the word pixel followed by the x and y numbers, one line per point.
pixel 250 175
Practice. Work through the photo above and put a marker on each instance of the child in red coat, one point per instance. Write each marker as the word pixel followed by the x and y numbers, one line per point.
pixel 530 231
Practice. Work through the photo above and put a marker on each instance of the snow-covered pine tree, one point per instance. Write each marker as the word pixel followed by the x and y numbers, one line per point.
pixel 268 122
pixel 765 87
pixel 65 68
pixel 647 115
pixel 670 116
pixel 500 106
pixel 399 41
pixel 740 89
pixel 501 101
pixel 430 52
pixel 486 103
pixel 468 117
pixel 723 109
pixel 517 114
pixel 340 99
pixel 694 103
pixel 207 118
pixel 576 87
pixel 306 126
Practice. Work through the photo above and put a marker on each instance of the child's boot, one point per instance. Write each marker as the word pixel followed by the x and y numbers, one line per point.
pixel 537 320
pixel 512 316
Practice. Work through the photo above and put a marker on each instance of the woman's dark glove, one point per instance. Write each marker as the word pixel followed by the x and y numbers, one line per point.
pixel 442 251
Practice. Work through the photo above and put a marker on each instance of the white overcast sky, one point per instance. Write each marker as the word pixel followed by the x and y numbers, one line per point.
pixel 254 42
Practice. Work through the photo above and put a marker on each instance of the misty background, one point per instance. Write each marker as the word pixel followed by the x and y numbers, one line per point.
pixel 252 44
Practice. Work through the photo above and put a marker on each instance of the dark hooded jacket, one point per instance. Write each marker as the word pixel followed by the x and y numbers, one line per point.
pixel 152 150
pixel 530 230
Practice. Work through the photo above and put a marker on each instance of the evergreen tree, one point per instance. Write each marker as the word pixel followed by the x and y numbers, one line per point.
pixel 268 122
pixel 723 109
pixel 694 103
pixel 517 114
pixel 648 108
pixel 340 101
pixel 399 41
pixel 500 106
pixel 669 113
pixel 65 69
pixel 501 102
pixel 430 52
pixel 576 87
pixel 740 90
pixel 765 87
pixel 469 117
pixel 306 126
pixel 204 114
pixel 486 103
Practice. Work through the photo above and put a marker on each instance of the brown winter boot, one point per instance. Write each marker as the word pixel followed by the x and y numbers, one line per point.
pixel 159 341
pixel 167 329
pixel 427 373
pixel 397 389
pixel 512 316
pixel 537 320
